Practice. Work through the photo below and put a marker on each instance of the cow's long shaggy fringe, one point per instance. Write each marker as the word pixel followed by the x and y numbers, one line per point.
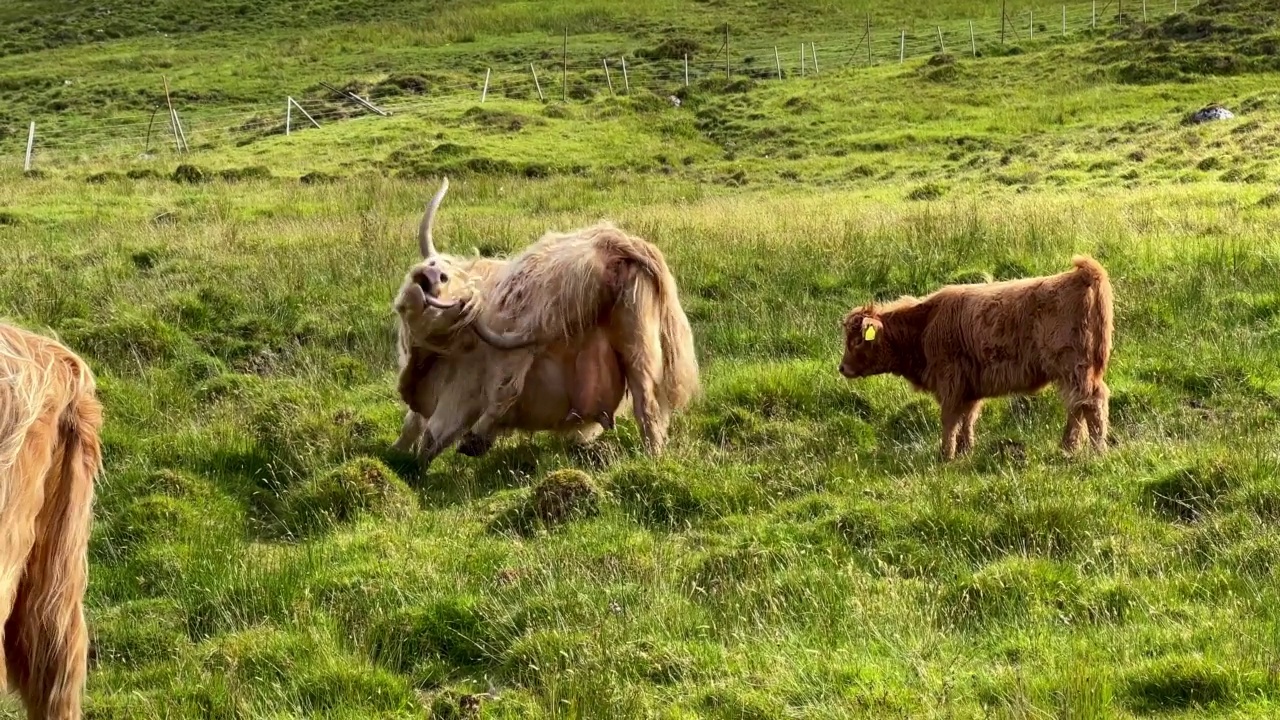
pixel 50 456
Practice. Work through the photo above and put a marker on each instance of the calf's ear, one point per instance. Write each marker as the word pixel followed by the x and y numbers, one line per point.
pixel 871 329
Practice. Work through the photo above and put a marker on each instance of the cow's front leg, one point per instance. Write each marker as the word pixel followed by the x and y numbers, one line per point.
pixel 443 430
pixel 501 395
pixel 410 432
pixel 474 445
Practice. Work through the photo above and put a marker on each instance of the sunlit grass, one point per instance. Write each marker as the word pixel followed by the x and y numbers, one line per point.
pixel 800 549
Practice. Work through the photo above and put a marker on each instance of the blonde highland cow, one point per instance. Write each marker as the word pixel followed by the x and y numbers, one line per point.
pixel 549 340
pixel 49 457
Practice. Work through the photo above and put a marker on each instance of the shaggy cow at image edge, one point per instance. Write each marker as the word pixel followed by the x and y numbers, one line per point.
pixel 50 454
pixel 967 343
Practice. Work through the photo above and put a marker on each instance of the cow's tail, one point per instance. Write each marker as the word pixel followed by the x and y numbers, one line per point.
pixel 1098 312
pixel 48 617
pixel 659 297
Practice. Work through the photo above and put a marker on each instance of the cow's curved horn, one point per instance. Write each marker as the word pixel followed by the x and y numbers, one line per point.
pixel 505 341
pixel 425 243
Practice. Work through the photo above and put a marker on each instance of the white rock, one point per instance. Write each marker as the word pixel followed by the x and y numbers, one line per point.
pixel 1210 113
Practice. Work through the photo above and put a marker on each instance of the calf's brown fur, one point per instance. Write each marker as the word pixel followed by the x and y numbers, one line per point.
pixel 49 456
pixel 967 343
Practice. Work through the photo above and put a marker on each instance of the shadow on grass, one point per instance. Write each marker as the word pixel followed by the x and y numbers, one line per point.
pixel 513 462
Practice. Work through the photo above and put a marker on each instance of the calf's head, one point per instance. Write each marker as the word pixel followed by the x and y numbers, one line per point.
pixel 865 351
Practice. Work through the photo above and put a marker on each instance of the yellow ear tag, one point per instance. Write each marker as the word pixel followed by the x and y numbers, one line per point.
pixel 869 333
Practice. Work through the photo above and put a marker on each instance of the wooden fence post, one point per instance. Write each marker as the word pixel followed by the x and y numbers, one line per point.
pixel 726 51
pixel 626 84
pixel 813 48
pixel 1064 21
pixel 536 84
pixel 902 46
pixel 31 144
pixel 485 92
pixel 607 78
pixel 564 71
pixel 1094 23
pixel 182 133
pixel 973 44
pixel 801 59
pixel 941 47
pixel 288 115
pixel 777 59
pixel 1033 25
pixel 686 69
pixel 869 60
pixel 151 122
pixel 173 117
pixel 304 112
pixel 1002 19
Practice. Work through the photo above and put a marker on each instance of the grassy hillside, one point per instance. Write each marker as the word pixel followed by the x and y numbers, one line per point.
pixel 800 552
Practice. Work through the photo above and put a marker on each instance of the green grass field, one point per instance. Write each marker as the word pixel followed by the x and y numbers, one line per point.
pixel 260 552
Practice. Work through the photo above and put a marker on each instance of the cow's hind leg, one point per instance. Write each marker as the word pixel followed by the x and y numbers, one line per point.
pixel 952 418
pixel 1076 404
pixel 636 337
pixel 1096 415
pixel 642 363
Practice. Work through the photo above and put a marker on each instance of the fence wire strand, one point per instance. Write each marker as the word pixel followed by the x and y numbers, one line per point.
pixel 864 47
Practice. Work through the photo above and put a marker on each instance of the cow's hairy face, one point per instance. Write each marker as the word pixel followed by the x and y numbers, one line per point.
pixel 865 352
pixel 431 276
pixel 436 278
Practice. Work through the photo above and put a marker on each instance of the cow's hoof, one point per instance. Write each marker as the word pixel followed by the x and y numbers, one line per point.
pixel 473 445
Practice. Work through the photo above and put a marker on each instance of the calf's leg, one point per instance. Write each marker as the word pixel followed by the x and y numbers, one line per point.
pixel 970 414
pixel 952 418
pixel 1097 415
pixel 1076 403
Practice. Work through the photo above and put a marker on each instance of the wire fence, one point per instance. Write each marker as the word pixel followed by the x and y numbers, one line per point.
pixel 570 78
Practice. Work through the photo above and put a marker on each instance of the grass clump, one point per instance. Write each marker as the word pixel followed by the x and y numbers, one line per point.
pixel 560 497
pixel 565 495
pixel 1189 493
pixel 360 488
pixel 1185 682
pixel 457 632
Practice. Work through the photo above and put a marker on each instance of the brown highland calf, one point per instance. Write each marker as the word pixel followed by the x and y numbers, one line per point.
pixel 966 343
pixel 49 457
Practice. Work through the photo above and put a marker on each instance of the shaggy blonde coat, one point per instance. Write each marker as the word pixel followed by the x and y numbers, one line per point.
pixel 49 457
pixel 562 299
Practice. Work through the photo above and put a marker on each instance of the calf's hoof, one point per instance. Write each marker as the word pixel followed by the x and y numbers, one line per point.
pixel 473 445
